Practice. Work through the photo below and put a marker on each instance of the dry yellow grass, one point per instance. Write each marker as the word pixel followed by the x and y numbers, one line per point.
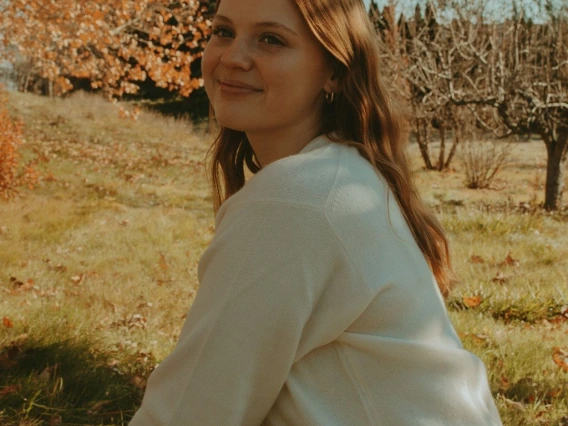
pixel 98 265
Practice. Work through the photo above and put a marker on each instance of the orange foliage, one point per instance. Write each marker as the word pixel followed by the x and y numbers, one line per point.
pixel 114 43
pixel 12 176
pixel 127 114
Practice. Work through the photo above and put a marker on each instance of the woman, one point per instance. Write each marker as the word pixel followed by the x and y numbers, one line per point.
pixel 320 298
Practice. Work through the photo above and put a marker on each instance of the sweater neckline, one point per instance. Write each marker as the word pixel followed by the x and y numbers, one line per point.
pixel 317 142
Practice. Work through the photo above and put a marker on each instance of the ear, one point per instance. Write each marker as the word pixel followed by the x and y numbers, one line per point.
pixel 334 81
pixel 332 84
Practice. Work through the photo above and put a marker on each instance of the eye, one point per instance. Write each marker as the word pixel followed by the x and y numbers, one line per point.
pixel 270 39
pixel 221 32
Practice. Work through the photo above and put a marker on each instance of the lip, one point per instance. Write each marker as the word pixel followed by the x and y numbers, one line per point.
pixel 235 86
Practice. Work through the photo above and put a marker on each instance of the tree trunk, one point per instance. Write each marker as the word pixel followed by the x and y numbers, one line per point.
pixel 422 139
pixel 25 83
pixel 453 150
pixel 556 169
pixel 442 132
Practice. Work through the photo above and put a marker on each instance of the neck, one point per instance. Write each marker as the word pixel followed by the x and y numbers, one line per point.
pixel 270 146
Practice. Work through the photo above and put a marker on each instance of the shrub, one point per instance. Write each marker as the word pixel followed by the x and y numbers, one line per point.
pixel 12 175
pixel 482 160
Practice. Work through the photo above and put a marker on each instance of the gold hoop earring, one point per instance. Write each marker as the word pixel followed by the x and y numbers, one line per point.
pixel 329 97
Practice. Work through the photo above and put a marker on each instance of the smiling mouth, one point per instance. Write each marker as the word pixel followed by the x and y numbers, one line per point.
pixel 227 87
pixel 236 90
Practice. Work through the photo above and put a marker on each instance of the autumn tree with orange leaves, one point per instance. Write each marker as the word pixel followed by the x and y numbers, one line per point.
pixel 114 45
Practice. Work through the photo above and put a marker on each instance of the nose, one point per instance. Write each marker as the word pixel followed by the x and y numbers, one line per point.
pixel 237 55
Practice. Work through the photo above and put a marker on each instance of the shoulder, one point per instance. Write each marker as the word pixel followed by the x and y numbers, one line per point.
pixel 305 178
pixel 311 179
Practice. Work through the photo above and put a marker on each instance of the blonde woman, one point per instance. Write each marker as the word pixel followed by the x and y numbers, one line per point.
pixel 321 296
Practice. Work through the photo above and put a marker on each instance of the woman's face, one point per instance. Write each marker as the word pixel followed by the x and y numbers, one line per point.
pixel 263 68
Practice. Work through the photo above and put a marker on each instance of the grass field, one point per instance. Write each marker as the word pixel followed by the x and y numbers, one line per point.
pixel 98 266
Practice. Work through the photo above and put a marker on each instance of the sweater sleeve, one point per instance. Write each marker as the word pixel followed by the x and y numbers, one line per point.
pixel 260 280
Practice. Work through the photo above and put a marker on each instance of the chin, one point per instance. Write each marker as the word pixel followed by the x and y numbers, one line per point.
pixel 232 123
pixel 232 126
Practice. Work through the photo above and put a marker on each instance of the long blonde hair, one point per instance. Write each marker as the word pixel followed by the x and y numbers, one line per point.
pixel 363 114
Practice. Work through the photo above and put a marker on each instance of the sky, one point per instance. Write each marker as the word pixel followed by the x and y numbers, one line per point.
pixel 496 8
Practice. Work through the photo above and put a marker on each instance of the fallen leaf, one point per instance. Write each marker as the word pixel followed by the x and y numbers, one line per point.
pixel 8 357
pixel 509 261
pixel 45 375
pixel 137 320
pixel 55 420
pixel 473 301
pixel 557 320
pixel 477 259
pixel 500 278
pixel 553 393
pixel 77 279
pixel 6 390
pixel 60 268
pixel 560 357
pixel 163 263
pixel 7 322
pixel 96 407
pixel 514 404
pixel 20 340
pixel 20 287
pixel 138 381
pixel 481 338
pixel 16 282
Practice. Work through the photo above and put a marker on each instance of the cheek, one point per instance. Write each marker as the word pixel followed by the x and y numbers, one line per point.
pixel 299 76
pixel 296 88
pixel 208 67
pixel 285 79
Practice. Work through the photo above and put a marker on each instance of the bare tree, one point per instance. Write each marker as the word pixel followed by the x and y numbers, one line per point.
pixel 416 51
pixel 519 69
pixel 510 74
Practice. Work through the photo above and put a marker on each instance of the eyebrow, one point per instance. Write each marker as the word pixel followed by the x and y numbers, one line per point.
pixel 269 24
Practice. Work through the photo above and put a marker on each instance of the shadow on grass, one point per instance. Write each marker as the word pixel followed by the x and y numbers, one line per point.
pixel 544 395
pixel 529 311
pixel 194 108
pixel 64 383
pixel 528 390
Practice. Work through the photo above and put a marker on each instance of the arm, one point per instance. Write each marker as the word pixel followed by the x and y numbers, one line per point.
pixel 260 281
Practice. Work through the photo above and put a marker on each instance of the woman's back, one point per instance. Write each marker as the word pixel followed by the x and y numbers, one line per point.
pixel 400 361
pixel 316 307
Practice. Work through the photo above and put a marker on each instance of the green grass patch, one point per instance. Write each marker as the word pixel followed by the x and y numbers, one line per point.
pixel 98 266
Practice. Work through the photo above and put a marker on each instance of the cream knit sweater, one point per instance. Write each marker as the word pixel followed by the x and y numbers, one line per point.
pixel 316 307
